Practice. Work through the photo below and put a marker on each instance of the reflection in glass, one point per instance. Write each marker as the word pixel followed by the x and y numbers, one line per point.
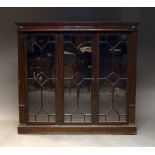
pixel 113 78
pixel 41 77
pixel 77 77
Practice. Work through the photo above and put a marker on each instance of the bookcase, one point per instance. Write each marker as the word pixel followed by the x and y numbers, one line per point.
pixel 77 77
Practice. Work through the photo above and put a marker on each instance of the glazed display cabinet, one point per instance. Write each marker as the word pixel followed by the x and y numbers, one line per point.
pixel 77 77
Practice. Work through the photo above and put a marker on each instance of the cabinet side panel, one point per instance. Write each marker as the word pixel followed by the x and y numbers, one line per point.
pixel 21 77
pixel 132 78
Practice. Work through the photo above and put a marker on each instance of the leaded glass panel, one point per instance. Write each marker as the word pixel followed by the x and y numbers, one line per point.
pixel 77 77
pixel 41 77
pixel 113 54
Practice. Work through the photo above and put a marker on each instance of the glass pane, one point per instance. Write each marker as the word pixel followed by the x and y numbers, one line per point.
pixel 41 77
pixel 77 77
pixel 113 78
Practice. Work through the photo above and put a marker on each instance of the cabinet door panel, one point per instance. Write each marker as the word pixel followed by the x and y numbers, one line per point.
pixel 113 53
pixel 77 60
pixel 41 77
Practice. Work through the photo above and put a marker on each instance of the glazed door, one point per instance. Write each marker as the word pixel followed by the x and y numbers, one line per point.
pixel 113 77
pixel 41 77
pixel 77 77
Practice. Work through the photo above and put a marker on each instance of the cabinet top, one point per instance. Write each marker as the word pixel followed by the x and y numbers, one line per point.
pixel 76 26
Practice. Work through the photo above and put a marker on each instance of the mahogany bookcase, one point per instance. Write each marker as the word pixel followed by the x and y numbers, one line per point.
pixel 77 77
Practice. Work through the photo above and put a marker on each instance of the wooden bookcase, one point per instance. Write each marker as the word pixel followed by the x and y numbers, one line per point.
pixel 77 77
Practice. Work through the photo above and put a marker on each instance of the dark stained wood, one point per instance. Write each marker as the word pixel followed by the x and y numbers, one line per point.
pixel 22 83
pixel 76 26
pixel 95 102
pixel 77 129
pixel 59 126
pixel 57 98
pixel 61 80
pixel 76 22
pixel 132 77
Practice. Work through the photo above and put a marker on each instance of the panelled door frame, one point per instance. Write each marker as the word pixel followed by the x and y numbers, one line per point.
pixel 23 98
pixel 129 60
pixel 94 109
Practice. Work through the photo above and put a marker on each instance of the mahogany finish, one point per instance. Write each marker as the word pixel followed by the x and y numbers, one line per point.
pixel 59 30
